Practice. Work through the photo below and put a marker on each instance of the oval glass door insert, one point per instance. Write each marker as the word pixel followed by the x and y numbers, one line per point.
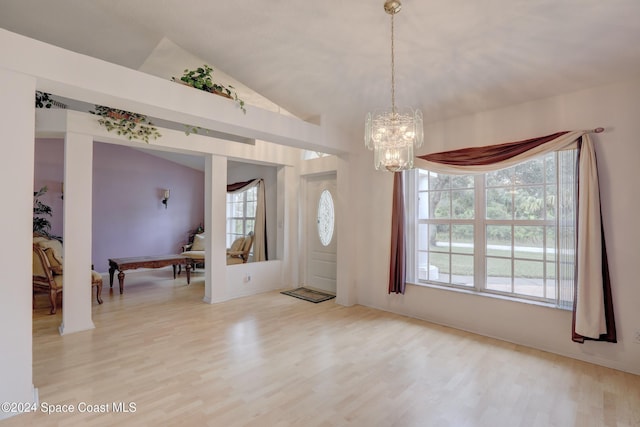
pixel 326 218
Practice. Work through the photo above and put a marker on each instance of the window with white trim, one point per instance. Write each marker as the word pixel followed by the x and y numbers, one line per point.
pixel 241 213
pixel 509 232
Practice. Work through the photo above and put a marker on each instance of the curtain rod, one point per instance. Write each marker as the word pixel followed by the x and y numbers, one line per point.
pixel 597 130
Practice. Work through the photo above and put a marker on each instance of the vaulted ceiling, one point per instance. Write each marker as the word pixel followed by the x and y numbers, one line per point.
pixel 332 58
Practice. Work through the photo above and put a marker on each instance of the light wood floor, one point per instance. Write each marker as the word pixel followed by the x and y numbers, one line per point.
pixel 273 360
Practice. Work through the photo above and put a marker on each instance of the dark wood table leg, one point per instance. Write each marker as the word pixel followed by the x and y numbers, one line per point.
pixel 187 267
pixel 121 279
pixel 174 271
pixel 112 269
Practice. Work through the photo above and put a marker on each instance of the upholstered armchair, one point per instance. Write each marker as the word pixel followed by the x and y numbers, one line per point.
pixel 47 270
pixel 238 253
pixel 195 249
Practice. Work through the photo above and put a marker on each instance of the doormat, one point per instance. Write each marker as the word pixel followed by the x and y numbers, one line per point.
pixel 308 295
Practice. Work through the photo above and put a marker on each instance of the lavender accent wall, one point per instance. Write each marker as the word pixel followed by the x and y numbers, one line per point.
pixel 128 216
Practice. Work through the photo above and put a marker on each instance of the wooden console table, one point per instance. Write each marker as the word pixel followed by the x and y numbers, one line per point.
pixel 160 261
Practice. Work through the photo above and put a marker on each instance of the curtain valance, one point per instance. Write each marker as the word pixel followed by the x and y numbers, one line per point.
pixel 494 157
pixel 238 187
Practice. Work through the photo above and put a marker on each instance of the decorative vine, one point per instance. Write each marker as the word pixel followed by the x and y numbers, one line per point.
pixel 43 100
pixel 125 123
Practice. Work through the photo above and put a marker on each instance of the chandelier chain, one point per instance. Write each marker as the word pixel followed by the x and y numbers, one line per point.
pixel 393 72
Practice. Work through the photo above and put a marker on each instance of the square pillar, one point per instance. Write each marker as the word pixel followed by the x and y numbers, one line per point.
pixel 17 123
pixel 288 250
pixel 215 226
pixel 346 224
pixel 78 179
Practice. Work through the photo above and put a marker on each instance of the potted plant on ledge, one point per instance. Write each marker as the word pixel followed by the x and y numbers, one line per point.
pixel 200 78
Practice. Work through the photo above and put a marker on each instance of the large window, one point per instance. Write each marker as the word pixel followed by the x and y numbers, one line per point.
pixel 508 232
pixel 241 213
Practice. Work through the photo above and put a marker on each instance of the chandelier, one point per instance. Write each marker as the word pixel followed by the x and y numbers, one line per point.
pixel 393 134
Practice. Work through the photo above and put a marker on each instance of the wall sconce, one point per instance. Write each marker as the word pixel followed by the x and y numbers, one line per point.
pixel 165 198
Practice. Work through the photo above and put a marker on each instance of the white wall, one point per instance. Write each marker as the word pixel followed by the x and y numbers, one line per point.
pixel 614 107
pixel 253 278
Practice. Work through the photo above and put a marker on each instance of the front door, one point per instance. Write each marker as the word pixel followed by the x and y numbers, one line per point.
pixel 321 233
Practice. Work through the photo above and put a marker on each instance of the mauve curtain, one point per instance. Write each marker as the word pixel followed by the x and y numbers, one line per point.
pixel 260 228
pixel 398 264
pixel 593 306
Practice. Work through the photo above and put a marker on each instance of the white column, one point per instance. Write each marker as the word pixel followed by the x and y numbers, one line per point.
pixel 215 218
pixel 78 178
pixel 288 224
pixel 17 114
pixel 346 224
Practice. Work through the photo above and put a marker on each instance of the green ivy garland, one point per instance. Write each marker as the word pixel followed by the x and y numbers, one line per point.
pixel 126 123
pixel 43 100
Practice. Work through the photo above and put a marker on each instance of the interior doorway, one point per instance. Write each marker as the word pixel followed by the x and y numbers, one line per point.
pixel 321 233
